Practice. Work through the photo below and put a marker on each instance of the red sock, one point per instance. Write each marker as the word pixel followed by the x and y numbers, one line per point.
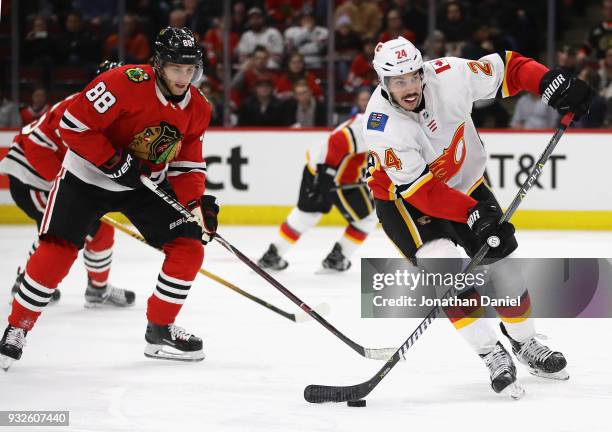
pixel 45 270
pixel 98 255
pixel 183 260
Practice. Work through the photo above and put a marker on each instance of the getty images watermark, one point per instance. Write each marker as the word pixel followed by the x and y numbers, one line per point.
pixel 544 287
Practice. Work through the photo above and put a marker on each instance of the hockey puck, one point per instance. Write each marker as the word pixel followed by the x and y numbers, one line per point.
pixel 358 403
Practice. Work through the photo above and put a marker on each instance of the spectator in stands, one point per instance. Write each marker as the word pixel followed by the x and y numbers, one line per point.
pixel 362 73
pixel 596 116
pixel 260 34
pixel 566 59
pixel 347 43
pixel 600 37
pixel 305 109
pixel 137 49
pixel 395 28
pixel 213 42
pixel 365 16
pixel 37 107
pixel 308 39
pixel 39 46
pixel 78 45
pixel 605 74
pixel 413 18
pixel 531 113
pixel 435 46
pixel 96 12
pixel 361 101
pixel 200 14
pixel 456 27
pixel 9 112
pixel 239 17
pixel 252 70
pixel 283 12
pixel 263 109
pixel 480 44
pixel 296 71
pixel 216 102
pixel 177 18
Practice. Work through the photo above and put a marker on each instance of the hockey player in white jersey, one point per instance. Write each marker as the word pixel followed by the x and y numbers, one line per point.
pixel 425 171
pixel 337 162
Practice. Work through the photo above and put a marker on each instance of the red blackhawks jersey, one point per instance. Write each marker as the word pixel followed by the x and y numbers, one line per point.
pixel 124 108
pixel 344 150
pixel 434 158
pixel 37 152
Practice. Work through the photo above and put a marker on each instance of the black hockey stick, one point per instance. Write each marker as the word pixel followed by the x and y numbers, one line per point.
pixel 321 393
pixel 301 317
pixel 371 353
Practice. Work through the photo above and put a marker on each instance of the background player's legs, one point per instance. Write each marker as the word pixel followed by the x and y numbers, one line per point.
pixel 184 253
pixel 98 256
pixel 308 212
pixel 357 208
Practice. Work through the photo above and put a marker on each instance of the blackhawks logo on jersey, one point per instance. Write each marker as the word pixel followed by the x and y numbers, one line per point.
pixel 158 144
pixel 137 74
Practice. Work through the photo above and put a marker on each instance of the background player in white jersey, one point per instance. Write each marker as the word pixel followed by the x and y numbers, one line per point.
pixel 340 161
pixel 426 169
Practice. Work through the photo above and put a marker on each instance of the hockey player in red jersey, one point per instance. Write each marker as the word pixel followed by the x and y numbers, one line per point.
pixel 340 161
pixel 131 121
pixel 33 161
pixel 426 169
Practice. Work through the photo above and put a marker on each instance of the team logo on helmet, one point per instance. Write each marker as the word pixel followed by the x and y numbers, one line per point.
pixel 137 74
pixel 158 144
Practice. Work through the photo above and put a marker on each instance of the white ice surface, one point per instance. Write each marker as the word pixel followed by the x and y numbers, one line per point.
pixel 91 362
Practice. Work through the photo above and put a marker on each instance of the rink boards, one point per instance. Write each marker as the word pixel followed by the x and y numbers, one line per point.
pixel 256 175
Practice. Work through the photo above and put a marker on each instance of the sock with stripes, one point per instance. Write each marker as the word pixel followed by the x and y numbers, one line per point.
pixel 184 258
pixel 355 234
pixel 46 268
pixel 98 255
pixel 296 224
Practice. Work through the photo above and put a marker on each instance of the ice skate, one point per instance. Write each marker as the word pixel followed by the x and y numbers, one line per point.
pixel 108 297
pixel 272 260
pixel 540 360
pixel 171 342
pixel 503 372
pixel 336 260
pixel 20 273
pixel 11 346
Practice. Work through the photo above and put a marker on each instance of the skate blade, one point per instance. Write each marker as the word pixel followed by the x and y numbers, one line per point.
pixel 562 375
pixel 98 305
pixel 165 352
pixel 6 362
pixel 514 390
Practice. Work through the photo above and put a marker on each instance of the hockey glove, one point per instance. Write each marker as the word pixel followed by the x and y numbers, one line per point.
pixel 324 180
pixel 566 93
pixel 205 211
pixel 125 169
pixel 483 220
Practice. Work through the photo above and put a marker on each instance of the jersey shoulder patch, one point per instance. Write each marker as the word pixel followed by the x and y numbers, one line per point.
pixel 137 74
pixel 377 121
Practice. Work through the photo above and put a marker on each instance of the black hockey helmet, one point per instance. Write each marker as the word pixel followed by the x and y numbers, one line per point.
pixel 178 45
pixel 107 65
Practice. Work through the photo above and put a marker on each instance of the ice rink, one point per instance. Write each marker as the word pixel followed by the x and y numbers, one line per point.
pixel 91 362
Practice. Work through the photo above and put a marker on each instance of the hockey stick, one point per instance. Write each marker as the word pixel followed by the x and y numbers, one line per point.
pixel 371 353
pixel 301 317
pixel 348 186
pixel 321 393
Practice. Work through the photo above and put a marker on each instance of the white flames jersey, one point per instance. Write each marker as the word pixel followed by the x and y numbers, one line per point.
pixel 408 149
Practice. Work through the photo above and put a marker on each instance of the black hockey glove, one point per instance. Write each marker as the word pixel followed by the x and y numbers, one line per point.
pixel 324 180
pixel 566 93
pixel 483 220
pixel 205 211
pixel 125 169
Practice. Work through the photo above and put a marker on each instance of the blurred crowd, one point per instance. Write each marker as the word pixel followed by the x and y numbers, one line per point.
pixel 278 52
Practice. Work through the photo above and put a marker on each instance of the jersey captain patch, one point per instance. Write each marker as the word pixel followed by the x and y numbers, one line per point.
pixel 377 121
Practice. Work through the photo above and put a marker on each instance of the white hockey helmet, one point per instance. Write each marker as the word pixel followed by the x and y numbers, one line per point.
pixel 395 57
